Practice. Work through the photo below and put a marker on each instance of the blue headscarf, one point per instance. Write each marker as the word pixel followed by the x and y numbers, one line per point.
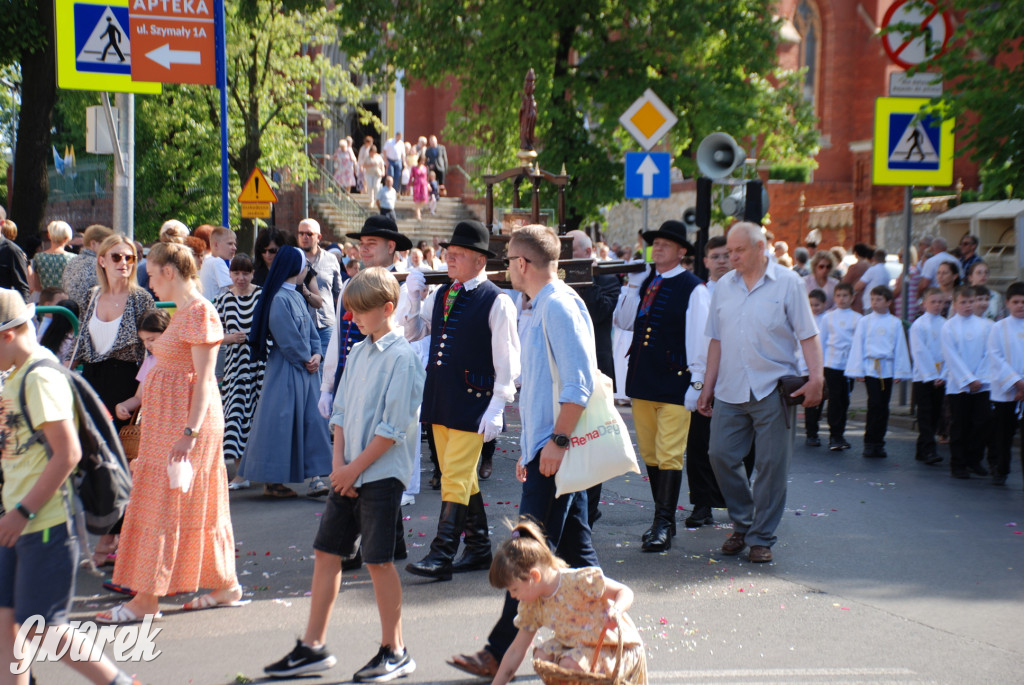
pixel 288 263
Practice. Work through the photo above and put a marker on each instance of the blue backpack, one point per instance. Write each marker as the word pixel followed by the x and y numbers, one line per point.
pixel 102 480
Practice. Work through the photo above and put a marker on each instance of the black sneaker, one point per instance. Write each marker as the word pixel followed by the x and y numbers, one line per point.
pixel 814 441
pixel 385 666
pixel 843 444
pixel 835 444
pixel 301 660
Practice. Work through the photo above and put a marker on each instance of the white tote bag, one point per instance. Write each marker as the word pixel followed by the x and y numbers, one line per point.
pixel 599 447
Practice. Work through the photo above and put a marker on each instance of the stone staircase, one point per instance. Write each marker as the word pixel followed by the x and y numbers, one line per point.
pixel 450 211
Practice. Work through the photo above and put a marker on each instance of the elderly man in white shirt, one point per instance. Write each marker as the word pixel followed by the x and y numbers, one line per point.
pixel 759 312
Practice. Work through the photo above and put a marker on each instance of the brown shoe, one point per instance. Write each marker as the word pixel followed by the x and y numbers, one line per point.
pixel 481 664
pixel 735 544
pixel 760 554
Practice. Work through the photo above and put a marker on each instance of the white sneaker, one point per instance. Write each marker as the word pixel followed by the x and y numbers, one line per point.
pixel 407 499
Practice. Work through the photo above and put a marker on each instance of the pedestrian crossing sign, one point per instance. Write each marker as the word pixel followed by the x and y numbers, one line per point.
pixel 911 149
pixel 93 47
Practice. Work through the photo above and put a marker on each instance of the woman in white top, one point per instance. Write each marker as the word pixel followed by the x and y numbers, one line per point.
pixel 108 347
pixel 977 274
pixel 819 278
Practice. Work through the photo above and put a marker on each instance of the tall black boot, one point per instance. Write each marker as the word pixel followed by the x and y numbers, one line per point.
pixel 438 562
pixel 652 476
pixel 667 500
pixel 435 479
pixel 486 459
pixel 476 553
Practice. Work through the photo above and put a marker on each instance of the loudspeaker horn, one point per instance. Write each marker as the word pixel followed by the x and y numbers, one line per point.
pixel 690 219
pixel 718 155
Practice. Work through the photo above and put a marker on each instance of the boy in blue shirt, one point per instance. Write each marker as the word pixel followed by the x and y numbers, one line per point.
pixel 376 427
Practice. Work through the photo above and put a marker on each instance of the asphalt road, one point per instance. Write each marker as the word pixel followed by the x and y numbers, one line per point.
pixel 886 571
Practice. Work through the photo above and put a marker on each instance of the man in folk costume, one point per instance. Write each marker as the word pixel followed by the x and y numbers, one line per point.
pixel 471 371
pixel 666 307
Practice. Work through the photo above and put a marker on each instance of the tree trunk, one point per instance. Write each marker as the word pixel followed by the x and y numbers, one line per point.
pixel 32 150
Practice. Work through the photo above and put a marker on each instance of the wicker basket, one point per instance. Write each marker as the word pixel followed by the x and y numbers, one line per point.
pixel 553 674
pixel 130 434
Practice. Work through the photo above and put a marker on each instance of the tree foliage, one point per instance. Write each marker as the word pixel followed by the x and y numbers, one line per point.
pixel 712 62
pixel 271 68
pixel 983 77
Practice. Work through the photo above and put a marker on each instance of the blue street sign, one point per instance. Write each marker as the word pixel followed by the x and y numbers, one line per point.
pixel 648 174
pixel 914 146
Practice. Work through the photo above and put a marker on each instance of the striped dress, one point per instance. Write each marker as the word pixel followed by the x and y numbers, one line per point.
pixel 243 376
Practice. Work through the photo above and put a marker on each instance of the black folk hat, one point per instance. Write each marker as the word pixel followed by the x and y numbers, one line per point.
pixel 381 226
pixel 671 230
pixel 471 235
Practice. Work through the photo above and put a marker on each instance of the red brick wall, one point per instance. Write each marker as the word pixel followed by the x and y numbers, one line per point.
pixel 426 110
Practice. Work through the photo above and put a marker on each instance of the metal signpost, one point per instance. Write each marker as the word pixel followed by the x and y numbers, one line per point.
pixel 910 149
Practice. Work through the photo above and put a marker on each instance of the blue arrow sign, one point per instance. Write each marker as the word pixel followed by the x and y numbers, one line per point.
pixel 648 174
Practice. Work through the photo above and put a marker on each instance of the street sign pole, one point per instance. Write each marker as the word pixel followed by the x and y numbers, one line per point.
pixel 124 188
pixel 222 84
pixel 646 228
pixel 908 220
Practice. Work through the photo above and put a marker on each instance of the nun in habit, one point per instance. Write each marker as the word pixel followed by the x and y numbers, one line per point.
pixel 289 441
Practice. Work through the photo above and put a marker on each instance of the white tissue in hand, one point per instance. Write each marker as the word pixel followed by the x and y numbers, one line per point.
pixel 179 473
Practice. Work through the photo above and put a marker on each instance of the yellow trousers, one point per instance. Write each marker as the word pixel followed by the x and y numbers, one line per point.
pixel 457 453
pixel 661 432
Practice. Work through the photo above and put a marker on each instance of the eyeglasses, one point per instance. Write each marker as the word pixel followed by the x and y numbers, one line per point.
pixel 723 257
pixel 508 260
pixel 306 233
pixel 117 257
pixel 965 243
pixel 270 250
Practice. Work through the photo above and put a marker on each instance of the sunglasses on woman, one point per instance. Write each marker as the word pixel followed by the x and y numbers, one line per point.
pixel 270 250
pixel 117 257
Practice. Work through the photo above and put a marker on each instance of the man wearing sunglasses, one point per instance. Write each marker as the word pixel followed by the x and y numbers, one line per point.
pixel 472 367
pixel 666 307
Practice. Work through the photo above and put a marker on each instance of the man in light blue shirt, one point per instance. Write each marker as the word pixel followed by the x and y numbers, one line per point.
pixel 759 316
pixel 557 320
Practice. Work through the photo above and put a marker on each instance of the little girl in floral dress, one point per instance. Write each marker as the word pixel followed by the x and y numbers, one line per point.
pixel 576 603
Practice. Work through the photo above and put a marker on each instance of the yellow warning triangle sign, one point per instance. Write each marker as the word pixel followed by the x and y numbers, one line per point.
pixel 256 189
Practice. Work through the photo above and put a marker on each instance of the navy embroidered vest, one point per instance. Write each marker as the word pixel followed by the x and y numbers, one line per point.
pixel 460 370
pixel 658 369
pixel 348 335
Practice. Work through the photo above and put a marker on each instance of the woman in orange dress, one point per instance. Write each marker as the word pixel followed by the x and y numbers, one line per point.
pixel 174 541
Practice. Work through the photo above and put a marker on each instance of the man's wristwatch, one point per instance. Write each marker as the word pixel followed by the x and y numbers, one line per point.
pixel 560 440
pixel 697 385
pixel 189 433
pixel 23 510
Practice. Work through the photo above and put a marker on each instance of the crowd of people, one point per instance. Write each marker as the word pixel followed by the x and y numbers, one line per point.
pixel 398 167
pixel 324 363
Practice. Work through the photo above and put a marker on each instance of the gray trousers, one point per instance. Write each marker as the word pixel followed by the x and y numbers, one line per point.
pixel 756 504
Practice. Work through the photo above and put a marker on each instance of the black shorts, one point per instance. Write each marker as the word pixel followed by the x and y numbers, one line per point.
pixel 37 575
pixel 373 515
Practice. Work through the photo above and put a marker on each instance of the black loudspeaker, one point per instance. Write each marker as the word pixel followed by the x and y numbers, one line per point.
pixel 753 210
pixel 703 208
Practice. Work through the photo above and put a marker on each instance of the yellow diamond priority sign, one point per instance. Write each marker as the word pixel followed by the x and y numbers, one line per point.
pixel 648 119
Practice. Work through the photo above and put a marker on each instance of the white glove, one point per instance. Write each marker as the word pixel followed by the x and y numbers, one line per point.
pixel 416 285
pixel 326 404
pixel 490 424
pixel 690 400
pixel 636 280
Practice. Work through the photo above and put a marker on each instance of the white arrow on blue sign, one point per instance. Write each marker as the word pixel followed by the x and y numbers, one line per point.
pixel 648 174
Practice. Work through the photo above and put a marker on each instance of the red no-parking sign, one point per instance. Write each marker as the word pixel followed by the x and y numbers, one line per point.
pixel 908 49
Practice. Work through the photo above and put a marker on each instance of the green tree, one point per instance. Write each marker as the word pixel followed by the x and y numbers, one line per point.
pixel 712 62
pixel 272 66
pixel 983 78
pixel 26 39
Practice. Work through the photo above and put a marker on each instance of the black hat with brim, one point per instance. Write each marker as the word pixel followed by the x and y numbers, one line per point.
pixel 671 230
pixel 380 226
pixel 471 235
